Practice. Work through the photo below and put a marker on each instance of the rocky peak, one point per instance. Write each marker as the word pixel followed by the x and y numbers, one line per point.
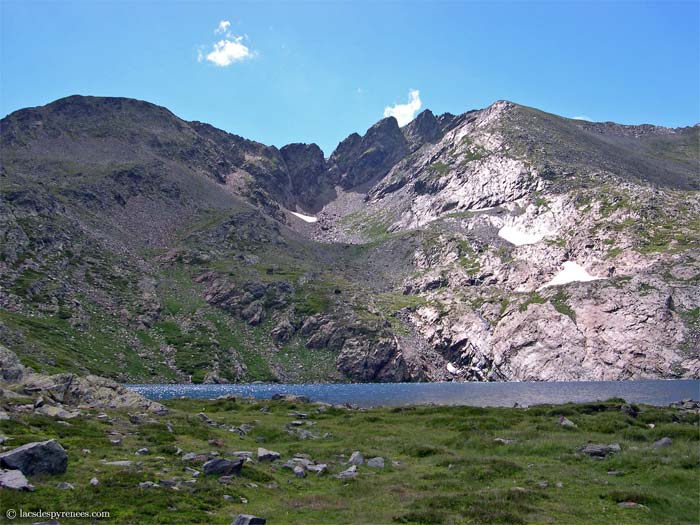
pixel 358 160
pixel 306 166
pixel 424 128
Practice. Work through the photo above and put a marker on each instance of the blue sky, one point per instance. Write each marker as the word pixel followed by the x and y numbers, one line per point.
pixel 317 71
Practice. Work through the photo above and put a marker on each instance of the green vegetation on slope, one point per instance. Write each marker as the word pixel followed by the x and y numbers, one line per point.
pixel 443 465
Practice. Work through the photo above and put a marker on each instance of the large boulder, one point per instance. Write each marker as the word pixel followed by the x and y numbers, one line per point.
pixel 43 457
pixel 248 519
pixel 223 467
pixel 11 370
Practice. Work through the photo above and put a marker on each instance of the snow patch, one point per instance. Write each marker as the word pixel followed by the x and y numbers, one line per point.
pixel 451 368
pixel 518 237
pixel 305 218
pixel 572 272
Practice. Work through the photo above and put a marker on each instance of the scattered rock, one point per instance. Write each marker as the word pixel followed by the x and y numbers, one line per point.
pixel 505 441
pixel 147 485
pixel 566 422
pixel 15 480
pixel 122 463
pixel 356 458
pixel 94 482
pixel 142 452
pixel 299 471
pixel 248 519
pixel 225 467
pixel 267 455
pixel 348 473
pixel 319 469
pixel 663 442
pixel 600 451
pixel 376 462
pixel 43 457
pixel 192 457
pixel 64 486
pixel 543 484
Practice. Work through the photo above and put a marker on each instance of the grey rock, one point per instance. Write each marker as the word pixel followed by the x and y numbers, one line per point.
pixel 356 458
pixel 299 471
pixel 348 473
pixel 319 469
pixel 64 486
pixel 142 451
pixel 663 442
pixel 248 519
pixel 147 485
pixel 44 457
pixel 15 480
pixel 52 411
pixel 565 422
pixel 600 450
pixel 121 463
pixel 267 455
pixel 94 482
pixel 223 467
pixel 376 462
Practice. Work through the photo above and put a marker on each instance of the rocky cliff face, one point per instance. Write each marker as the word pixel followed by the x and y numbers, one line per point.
pixel 500 244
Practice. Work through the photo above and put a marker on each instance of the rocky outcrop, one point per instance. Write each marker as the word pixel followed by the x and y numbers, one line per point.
pixel 358 160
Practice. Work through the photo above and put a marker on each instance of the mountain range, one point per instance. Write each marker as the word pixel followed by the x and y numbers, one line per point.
pixel 504 243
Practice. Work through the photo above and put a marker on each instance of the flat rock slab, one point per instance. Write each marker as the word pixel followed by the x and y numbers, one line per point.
pixel 15 480
pixel 43 457
pixel 600 451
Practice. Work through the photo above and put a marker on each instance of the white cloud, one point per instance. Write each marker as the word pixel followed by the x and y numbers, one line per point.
pixel 404 113
pixel 227 51
pixel 583 117
pixel 223 27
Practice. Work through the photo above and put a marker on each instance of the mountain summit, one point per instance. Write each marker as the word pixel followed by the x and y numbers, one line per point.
pixel 501 244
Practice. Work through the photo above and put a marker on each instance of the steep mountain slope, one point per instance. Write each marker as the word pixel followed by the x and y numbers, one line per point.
pixel 503 243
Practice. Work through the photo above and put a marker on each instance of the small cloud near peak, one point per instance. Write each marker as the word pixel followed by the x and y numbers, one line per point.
pixel 228 50
pixel 404 113
pixel 222 27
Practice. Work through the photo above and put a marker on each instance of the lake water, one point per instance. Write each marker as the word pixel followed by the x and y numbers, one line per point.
pixel 475 394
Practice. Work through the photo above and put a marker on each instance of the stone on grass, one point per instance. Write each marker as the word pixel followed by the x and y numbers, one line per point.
pixel 42 457
pixel 142 451
pixel 94 482
pixel 122 463
pixel 248 519
pixel 566 422
pixel 356 458
pixel 267 455
pixel 299 471
pixel 663 442
pixel 376 462
pixel 223 467
pixel 600 451
pixel 15 480
pixel 147 485
pixel 319 469
pixel 348 473
pixel 64 486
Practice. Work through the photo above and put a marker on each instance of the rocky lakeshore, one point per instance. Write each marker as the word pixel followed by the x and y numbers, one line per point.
pixel 289 460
